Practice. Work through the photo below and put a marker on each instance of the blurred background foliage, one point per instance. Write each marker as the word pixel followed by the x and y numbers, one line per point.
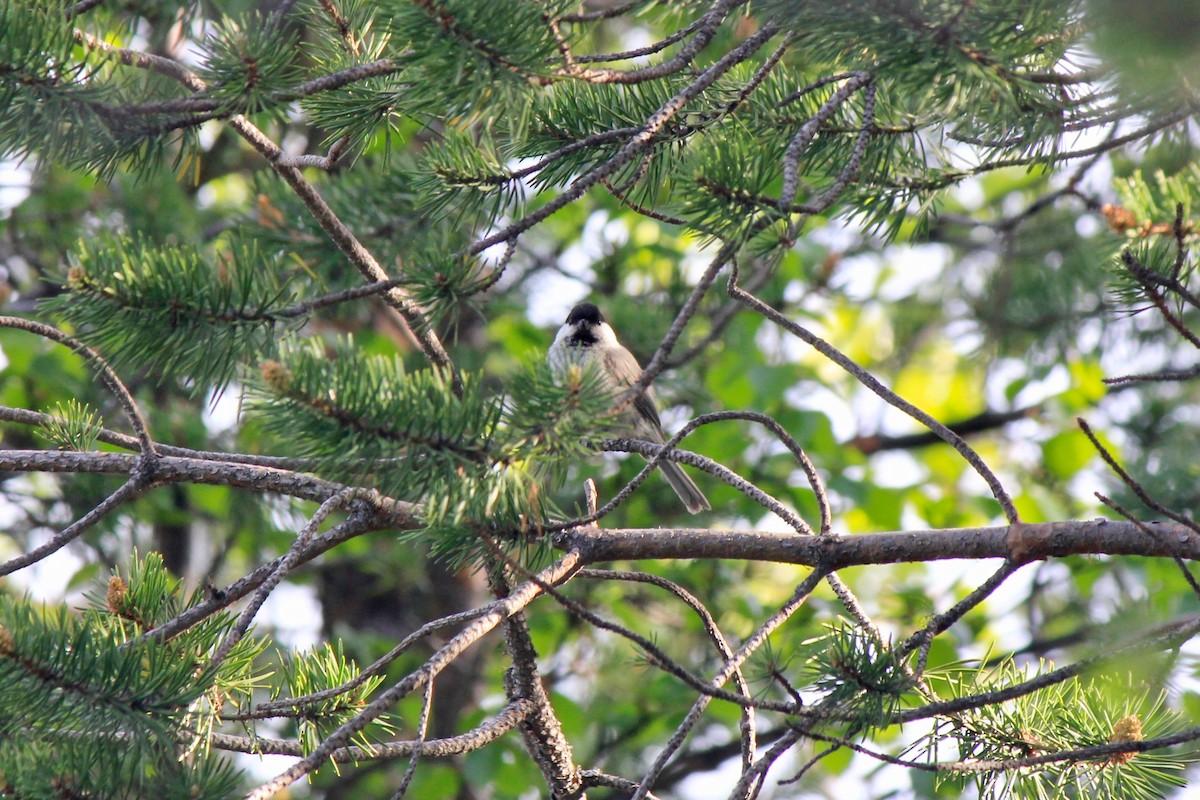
pixel 993 300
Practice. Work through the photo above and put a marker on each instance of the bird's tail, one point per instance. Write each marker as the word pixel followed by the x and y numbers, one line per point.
pixel 687 490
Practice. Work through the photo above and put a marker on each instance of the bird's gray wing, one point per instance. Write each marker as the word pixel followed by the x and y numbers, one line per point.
pixel 624 370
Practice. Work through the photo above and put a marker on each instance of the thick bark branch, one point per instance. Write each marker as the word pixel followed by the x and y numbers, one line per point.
pixel 169 469
pixel 1021 543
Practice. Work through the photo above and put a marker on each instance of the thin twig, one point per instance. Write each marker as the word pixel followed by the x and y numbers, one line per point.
pixel 350 246
pixel 484 734
pixel 808 131
pixel 418 744
pixel 720 320
pixel 1168 376
pixel 1134 486
pixel 942 622
pixel 1183 568
pixel 301 704
pixel 608 12
pixel 81 7
pixel 282 567
pixel 655 453
pixel 638 52
pixel 128 491
pixel 521 597
pixel 110 378
pixel 594 777
pixel 223 598
pixel 37 418
pixel 751 645
pixel 1140 272
pixel 655 654
pixel 871 382
pixel 714 634
pixel 1174 633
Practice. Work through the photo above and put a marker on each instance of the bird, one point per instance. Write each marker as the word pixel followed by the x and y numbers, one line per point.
pixel 586 338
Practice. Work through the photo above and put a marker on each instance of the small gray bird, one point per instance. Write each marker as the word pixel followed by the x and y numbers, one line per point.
pixel 586 338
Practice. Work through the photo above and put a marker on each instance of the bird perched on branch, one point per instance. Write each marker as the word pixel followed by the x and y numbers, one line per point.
pixel 585 338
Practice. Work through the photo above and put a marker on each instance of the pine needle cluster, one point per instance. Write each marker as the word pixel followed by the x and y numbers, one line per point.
pixel 474 460
pixel 94 707
pixel 193 315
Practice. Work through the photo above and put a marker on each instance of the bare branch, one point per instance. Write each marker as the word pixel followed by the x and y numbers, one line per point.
pixel 114 384
pixel 872 383
pixel 1115 506
pixel 173 469
pixel 751 645
pixel 522 596
pixel 128 491
pixel 508 718
pixel 541 730
pixel 1022 542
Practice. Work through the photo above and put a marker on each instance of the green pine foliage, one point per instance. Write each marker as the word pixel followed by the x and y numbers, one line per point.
pixel 963 127
pixel 1082 712
pixel 359 110
pixel 45 86
pixel 978 64
pixel 250 65
pixel 1154 219
pixel 467 50
pixel 306 673
pixel 196 315
pixel 73 426
pixel 474 461
pixel 856 674
pixel 468 176
pixel 95 708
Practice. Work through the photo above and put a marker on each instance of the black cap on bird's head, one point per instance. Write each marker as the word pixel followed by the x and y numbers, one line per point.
pixel 586 313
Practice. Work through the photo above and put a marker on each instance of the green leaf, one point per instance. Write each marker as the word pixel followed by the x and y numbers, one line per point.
pixel 1066 453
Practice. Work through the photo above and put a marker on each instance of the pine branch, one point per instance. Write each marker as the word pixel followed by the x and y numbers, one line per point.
pixel 338 233
pixel 636 144
pixel 110 378
pixel 706 29
pixel 173 469
pixel 1022 542
pixel 508 718
pixel 521 597
pixel 128 442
